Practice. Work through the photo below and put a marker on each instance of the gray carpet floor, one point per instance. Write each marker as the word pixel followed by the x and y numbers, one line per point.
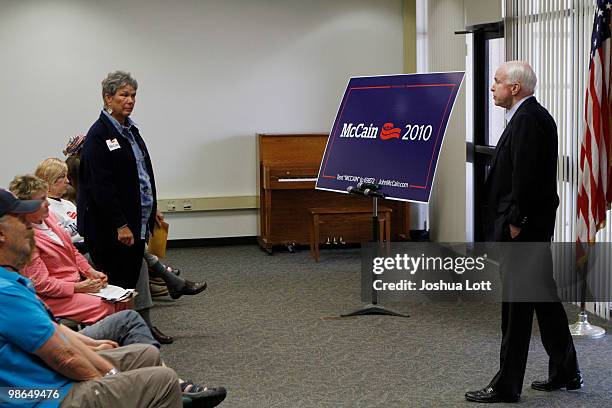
pixel 267 329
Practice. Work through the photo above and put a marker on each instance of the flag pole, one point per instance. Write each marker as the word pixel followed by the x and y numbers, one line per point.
pixel 582 329
pixel 595 188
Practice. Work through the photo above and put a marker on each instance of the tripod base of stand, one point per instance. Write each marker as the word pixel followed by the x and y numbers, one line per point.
pixel 373 309
pixel 584 330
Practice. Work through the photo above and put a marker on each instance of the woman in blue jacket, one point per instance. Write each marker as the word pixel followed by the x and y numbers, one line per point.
pixel 116 199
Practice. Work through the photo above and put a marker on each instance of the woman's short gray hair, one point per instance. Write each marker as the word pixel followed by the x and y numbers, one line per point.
pixel 522 73
pixel 117 80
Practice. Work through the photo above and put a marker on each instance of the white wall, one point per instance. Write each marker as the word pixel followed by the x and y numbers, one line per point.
pixel 482 11
pixel 211 75
pixel 447 53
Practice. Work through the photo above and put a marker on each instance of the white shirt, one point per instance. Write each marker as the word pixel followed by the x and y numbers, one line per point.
pixel 510 112
pixel 48 231
pixel 66 214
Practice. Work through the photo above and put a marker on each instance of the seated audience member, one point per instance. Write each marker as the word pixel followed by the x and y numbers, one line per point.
pixel 54 172
pixel 35 352
pixel 62 277
pixel 123 328
pixel 127 327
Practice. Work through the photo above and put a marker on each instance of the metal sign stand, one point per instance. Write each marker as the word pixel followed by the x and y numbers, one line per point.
pixel 373 308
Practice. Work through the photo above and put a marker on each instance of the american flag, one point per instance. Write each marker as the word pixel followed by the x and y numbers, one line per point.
pixel 595 175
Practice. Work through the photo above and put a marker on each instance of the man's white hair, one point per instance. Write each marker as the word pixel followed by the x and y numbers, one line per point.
pixel 522 73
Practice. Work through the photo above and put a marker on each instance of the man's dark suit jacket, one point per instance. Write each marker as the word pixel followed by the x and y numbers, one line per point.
pixel 109 187
pixel 521 188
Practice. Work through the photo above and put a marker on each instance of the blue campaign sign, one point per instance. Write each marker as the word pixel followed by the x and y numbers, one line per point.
pixel 389 130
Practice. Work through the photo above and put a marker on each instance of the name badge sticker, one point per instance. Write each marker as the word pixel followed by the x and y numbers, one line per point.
pixel 113 144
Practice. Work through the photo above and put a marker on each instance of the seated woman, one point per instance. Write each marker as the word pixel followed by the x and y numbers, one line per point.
pixel 54 172
pixel 61 276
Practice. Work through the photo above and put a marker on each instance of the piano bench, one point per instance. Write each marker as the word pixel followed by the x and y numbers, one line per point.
pixel 338 215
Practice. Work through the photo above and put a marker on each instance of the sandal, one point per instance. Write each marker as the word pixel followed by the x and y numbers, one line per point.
pixel 189 387
pixel 202 397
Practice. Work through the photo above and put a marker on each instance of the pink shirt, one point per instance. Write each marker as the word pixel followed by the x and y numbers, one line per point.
pixel 55 268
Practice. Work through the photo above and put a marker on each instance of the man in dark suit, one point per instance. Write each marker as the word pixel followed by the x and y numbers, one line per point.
pixel 521 193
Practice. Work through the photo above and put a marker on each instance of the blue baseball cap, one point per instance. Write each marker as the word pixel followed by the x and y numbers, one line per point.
pixel 9 204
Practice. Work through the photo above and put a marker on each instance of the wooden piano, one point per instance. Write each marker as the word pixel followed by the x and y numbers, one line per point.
pixel 288 165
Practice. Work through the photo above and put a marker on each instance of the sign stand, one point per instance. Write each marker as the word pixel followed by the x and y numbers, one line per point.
pixel 389 130
pixel 373 308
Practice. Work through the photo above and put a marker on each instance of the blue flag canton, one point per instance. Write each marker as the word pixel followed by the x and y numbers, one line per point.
pixel 601 25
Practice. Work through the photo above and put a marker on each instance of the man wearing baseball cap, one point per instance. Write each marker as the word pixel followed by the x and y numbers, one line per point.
pixel 16 233
pixel 44 363
pixel 9 204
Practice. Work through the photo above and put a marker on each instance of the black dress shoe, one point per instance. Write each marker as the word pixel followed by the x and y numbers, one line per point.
pixel 489 395
pixel 161 337
pixel 552 384
pixel 190 288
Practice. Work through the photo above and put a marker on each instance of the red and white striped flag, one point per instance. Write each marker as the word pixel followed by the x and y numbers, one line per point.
pixel 595 175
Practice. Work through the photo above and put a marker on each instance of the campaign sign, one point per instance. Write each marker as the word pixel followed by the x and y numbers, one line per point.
pixel 389 130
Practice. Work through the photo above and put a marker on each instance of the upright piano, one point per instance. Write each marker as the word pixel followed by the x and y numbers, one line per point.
pixel 288 165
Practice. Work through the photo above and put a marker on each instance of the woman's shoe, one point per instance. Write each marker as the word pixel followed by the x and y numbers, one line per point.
pixel 190 288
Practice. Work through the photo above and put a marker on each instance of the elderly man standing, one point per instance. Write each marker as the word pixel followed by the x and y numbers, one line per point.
pixel 521 193
pixel 41 360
